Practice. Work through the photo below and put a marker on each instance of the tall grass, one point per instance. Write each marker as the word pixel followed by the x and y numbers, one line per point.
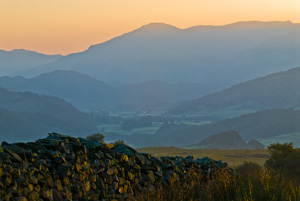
pixel 260 185
pixel 280 181
pixel 265 185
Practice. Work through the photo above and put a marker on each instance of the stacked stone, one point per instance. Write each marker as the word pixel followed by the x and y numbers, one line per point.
pixel 61 167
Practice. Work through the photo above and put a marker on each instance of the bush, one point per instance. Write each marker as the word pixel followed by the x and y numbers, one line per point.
pixel 284 158
pixel 96 136
pixel 248 168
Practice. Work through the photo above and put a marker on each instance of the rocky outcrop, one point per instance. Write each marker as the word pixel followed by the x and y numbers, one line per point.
pixel 227 140
pixel 61 167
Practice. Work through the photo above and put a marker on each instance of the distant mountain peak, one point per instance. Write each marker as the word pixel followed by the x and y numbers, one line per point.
pixel 70 75
pixel 157 27
pixel 148 29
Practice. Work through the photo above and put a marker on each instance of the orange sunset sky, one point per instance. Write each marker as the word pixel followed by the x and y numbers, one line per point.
pixel 67 26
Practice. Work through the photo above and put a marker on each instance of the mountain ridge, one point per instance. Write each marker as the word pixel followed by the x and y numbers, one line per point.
pixel 190 55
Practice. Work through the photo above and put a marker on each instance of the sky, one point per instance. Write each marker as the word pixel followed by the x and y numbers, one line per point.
pixel 68 26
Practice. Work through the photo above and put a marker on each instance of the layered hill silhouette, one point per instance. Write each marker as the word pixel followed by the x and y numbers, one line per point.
pixel 227 140
pixel 261 124
pixel 25 116
pixel 81 90
pixel 224 55
pixel 278 90
pixel 19 60
pixel 90 94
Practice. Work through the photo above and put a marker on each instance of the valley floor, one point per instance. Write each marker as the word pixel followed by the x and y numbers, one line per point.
pixel 232 157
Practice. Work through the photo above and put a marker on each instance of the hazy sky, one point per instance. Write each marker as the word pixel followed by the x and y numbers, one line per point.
pixel 66 26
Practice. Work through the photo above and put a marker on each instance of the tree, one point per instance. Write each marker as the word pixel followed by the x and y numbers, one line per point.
pixel 284 158
pixel 120 142
pixel 96 136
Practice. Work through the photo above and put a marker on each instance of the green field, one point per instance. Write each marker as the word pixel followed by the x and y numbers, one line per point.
pixel 196 123
pixel 225 112
pixel 232 157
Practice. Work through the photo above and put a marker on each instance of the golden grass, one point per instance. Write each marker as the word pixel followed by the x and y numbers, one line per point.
pixel 232 157
pixel 249 183
pixel 266 185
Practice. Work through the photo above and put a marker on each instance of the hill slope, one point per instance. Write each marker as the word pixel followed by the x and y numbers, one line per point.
pixel 277 90
pixel 14 127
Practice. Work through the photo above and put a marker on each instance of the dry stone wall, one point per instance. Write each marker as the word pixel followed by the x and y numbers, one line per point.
pixel 65 168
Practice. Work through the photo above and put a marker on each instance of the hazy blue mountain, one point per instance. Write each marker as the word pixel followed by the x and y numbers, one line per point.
pixel 12 83
pixel 81 90
pixel 14 61
pixel 30 114
pixel 278 90
pixel 90 94
pixel 263 124
pixel 223 55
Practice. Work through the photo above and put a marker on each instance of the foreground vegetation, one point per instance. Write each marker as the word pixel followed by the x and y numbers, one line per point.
pixel 278 181
pixel 265 185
